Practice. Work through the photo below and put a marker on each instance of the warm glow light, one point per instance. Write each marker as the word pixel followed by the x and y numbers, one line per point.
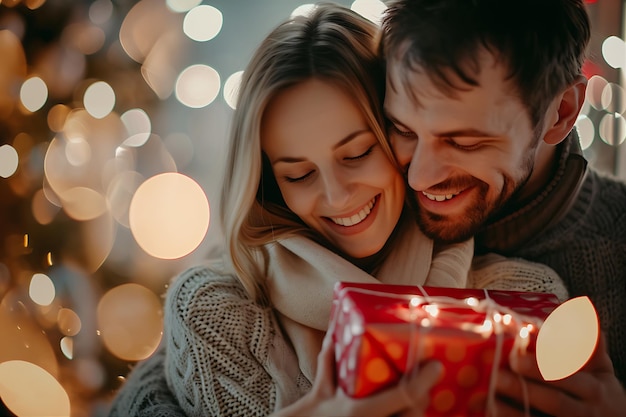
pixel 203 23
pixel 82 203
pixel 567 339
pixel 586 131
pixel 138 125
pixel 99 99
pixel 9 160
pixel 472 301
pixel 34 94
pixel 169 215
pixel 41 289
pixel 197 86
pixel 179 6
pixel 27 341
pixel 28 390
pixel 57 116
pixel 432 309
pixel 370 9
pixel 68 322
pixel 77 151
pixel 614 51
pixel 231 89
pixel 43 210
pixel 67 347
pixel 130 320
pixel 100 11
pixel 84 37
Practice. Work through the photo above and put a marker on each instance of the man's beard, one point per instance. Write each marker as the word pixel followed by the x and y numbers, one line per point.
pixel 453 229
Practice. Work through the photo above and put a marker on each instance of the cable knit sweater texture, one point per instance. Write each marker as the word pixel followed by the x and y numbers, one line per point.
pixel 586 246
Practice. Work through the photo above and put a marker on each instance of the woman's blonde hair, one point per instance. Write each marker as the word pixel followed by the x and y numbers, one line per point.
pixel 331 43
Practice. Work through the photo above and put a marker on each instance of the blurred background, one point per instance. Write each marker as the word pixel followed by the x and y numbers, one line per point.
pixel 113 119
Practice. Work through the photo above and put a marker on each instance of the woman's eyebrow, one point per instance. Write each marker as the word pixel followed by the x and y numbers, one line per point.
pixel 347 139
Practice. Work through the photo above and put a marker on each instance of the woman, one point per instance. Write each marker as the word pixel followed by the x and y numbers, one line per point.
pixel 310 176
pixel 311 196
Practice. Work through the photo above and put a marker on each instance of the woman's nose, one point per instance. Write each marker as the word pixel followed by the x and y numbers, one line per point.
pixel 336 190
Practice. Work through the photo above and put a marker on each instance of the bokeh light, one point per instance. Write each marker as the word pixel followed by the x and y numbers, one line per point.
pixel 9 160
pixel 84 37
pixel 586 131
pixel 203 23
pixel 612 129
pixel 56 117
pixel 370 9
pixel 34 94
pixel 130 320
pixel 29 390
pixel 100 11
pixel 41 289
pixel 197 86
pixel 614 51
pixel 138 125
pixel 182 5
pixel 303 10
pixel 43 210
pixel 99 99
pixel 169 215
pixel 27 340
pixel 68 321
pixel 231 89
pixel 67 347
pixel 595 90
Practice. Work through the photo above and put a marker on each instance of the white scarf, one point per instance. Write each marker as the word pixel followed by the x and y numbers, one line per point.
pixel 302 275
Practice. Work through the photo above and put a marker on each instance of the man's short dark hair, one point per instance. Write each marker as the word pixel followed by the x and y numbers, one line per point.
pixel 543 43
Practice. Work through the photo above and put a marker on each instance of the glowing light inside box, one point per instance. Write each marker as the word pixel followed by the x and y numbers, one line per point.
pixel 471 301
pixel 432 309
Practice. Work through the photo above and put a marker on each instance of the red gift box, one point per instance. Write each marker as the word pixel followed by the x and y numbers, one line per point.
pixel 381 331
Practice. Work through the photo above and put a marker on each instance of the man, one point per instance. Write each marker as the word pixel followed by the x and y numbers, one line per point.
pixel 482 97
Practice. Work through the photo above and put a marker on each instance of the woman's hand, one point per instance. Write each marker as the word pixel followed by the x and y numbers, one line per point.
pixel 408 399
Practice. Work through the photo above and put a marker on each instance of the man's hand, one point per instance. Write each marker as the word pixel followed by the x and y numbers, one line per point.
pixel 594 391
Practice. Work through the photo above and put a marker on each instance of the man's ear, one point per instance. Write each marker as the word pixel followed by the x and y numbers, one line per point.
pixel 569 106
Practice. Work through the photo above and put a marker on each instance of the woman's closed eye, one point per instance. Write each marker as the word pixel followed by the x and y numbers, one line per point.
pixel 361 156
pixel 300 178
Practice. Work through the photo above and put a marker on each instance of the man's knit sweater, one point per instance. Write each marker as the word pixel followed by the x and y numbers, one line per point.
pixel 585 244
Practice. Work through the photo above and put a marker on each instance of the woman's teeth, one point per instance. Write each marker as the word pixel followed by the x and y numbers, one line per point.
pixel 357 218
pixel 439 197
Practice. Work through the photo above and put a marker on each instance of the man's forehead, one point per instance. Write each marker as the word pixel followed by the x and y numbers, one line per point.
pixel 414 85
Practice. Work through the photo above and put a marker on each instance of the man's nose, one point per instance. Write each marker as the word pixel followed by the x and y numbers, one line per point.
pixel 428 166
